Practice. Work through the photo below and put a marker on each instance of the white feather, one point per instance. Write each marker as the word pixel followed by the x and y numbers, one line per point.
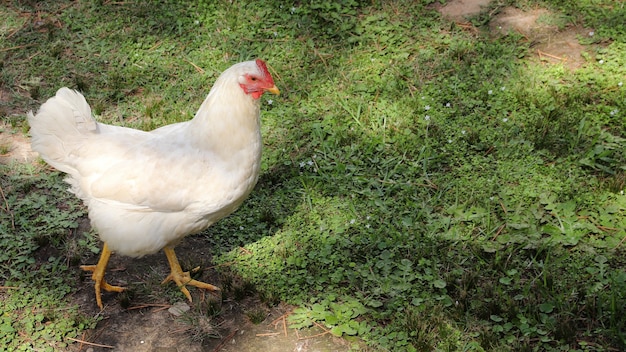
pixel 145 190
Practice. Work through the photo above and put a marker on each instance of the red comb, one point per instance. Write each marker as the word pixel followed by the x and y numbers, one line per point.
pixel 263 67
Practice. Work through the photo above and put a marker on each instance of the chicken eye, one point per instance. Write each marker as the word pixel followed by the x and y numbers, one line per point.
pixel 253 79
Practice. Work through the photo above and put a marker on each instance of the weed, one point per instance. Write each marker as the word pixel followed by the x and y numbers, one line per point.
pixel 5 148
pixel 200 326
pixel 256 315
pixel 31 297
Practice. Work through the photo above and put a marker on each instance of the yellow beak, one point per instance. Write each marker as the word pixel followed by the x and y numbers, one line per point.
pixel 274 90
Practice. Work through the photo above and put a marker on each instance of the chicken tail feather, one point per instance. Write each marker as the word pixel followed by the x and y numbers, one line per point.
pixel 60 126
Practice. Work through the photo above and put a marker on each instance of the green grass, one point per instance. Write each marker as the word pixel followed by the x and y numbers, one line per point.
pixel 424 186
pixel 38 213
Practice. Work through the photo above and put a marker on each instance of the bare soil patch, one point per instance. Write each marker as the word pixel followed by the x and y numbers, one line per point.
pixel 549 42
pixel 15 147
pixel 460 9
pixel 140 320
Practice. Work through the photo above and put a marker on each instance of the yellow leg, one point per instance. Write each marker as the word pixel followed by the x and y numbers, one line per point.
pixel 98 274
pixel 182 278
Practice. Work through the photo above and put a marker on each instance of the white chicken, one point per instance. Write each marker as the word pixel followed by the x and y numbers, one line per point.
pixel 147 190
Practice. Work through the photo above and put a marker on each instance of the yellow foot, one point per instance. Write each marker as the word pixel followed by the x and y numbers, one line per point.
pixel 98 275
pixel 183 278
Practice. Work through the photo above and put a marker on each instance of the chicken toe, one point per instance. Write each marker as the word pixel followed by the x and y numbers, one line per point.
pixel 183 278
pixel 98 275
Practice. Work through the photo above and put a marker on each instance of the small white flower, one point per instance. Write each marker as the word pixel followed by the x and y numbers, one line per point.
pixel 620 84
pixel 367 226
pixel 302 164
pixel 423 97
pixel 591 33
pixel 448 105
pixel 293 10
pixel 505 119
pixel 427 107
pixel 503 88
pixel 490 92
pixel 310 162
pixel 196 22
pixel 352 221
pixel 449 141
pixel 241 227
pixel 491 198
pixel 269 102
pixel 462 131
pixel 601 62
pixel 275 34
pixel 427 117
pixel 368 217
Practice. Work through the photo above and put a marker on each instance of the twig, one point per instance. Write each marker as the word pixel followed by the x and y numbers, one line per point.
pixel 498 232
pixel 60 9
pixel 8 287
pixel 320 326
pixel 199 69
pixel 282 317
pixel 224 340
pixel 160 309
pixel 268 334
pixel 541 53
pixel 80 347
pixel 16 30
pixel 325 331
pixel 90 343
pixel 158 44
pixel 503 207
pixel 246 251
pixel 320 56
pixel 16 47
pixel 148 305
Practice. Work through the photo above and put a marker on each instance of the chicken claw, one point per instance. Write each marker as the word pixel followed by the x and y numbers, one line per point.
pixel 98 275
pixel 182 278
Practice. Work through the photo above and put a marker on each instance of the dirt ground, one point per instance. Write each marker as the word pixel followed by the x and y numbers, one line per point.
pixel 549 43
pixel 140 322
